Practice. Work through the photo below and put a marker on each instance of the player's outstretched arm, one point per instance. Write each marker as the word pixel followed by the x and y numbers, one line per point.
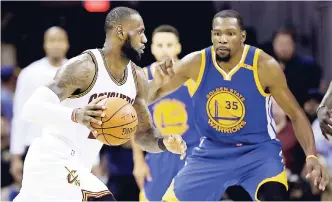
pixel 44 105
pixel 324 113
pixel 170 76
pixel 272 77
pixel 147 136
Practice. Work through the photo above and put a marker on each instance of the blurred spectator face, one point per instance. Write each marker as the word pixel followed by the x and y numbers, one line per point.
pixel 283 46
pixel 227 38
pixel 4 133
pixel 165 45
pixel 310 107
pixel 56 43
pixel 278 114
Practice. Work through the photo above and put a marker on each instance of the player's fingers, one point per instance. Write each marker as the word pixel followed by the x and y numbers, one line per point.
pixel 140 182
pixel 317 174
pixel 163 68
pixel 159 72
pixel 95 107
pixel 309 170
pixel 88 125
pixel 325 135
pixel 327 129
pixel 170 71
pixel 148 176
pixel 98 113
pixel 95 101
pixel 324 182
pixel 93 120
pixel 171 139
pixel 328 120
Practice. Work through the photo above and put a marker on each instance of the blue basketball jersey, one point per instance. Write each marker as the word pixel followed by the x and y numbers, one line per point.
pixel 232 107
pixel 173 114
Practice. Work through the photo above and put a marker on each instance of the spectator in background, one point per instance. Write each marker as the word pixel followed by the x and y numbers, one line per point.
pixel 302 73
pixel 294 157
pixel 311 104
pixel 9 186
pixel 33 76
pixel 8 80
pixel 6 178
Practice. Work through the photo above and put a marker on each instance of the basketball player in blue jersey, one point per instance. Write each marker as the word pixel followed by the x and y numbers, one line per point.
pixel 171 115
pixel 235 84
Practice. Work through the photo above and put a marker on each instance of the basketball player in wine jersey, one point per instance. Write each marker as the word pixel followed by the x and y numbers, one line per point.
pixel 58 164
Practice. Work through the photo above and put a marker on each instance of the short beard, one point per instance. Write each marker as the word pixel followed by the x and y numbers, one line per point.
pixel 223 59
pixel 129 52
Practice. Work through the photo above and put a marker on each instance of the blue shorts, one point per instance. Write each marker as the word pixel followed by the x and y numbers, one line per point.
pixel 163 168
pixel 213 167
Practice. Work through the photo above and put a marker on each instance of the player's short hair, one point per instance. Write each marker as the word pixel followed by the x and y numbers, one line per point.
pixel 116 15
pixel 230 14
pixel 166 28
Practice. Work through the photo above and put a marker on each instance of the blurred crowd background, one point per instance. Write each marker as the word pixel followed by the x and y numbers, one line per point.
pixel 297 34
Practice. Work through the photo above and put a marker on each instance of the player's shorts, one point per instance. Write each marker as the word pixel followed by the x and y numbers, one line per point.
pixel 52 173
pixel 213 167
pixel 163 168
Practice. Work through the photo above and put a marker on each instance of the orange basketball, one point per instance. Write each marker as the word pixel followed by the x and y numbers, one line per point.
pixel 118 124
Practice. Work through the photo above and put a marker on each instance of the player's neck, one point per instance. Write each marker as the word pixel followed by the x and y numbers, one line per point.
pixel 233 62
pixel 116 63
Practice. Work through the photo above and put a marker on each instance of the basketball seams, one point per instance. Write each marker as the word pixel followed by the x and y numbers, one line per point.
pixel 121 125
pixel 116 112
pixel 116 136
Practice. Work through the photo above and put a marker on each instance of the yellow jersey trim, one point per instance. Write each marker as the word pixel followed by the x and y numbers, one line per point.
pixel 142 197
pixel 200 74
pixel 170 196
pixel 228 76
pixel 281 178
pixel 256 76
pixel 191 86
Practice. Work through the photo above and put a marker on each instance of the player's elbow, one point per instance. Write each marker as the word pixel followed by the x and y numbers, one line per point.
pixel 147 141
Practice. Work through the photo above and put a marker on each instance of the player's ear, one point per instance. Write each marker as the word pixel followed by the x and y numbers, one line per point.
pixel 120 32
pixel 243 36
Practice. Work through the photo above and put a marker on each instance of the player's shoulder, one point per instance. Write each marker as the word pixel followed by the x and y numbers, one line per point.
pixel 266 61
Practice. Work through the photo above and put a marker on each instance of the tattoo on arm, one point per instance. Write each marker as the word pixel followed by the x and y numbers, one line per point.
pixel 78 73
pixel 146 135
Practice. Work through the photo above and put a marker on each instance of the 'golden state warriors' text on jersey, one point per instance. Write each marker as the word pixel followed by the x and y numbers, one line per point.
pixel 173 114
pixel 232 107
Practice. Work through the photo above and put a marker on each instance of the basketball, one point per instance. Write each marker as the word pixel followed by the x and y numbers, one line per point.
pixel 118 124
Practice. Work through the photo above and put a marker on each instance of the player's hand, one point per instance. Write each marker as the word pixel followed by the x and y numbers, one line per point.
pixel 141 172
pixel 163 72
pixel 175 144
pixel 88 114
pixel 325 121
pixel 317 173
